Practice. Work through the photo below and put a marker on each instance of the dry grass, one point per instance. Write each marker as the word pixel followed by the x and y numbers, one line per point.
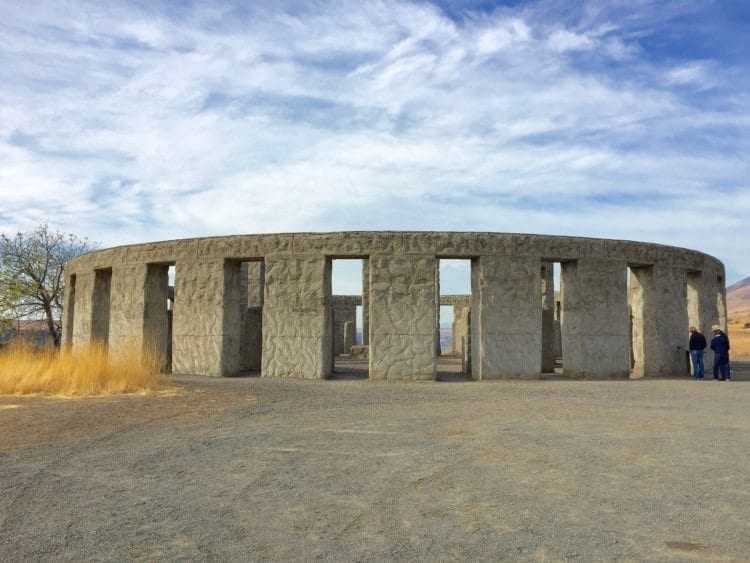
pixel 739 337
pixel 93 370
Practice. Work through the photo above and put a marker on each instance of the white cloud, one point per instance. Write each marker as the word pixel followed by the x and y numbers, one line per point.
pixel 563 40
pixel 124 123
pixel 502 35
pixel 695 73
pixel 618 50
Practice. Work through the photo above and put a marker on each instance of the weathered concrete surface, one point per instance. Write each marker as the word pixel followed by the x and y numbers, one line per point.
pixel 155 314
pixel 365 302
pixel 77 328
pixel 403 316
pixel 595 319
pixel 252 339
pixel 660 315
pixel 100 306
pixel 508 336
pixel 350 332
pixel 198 334
pixel 297 317
pixel 237 469
pixel 226 286
pixel 252 279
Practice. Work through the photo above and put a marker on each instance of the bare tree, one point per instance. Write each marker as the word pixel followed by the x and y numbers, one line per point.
pixel 32 281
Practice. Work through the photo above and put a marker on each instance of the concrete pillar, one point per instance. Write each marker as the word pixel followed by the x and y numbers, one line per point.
pixel 721 302
pixel 138 307
pixel 461 328
pixel 198 320
pixel 297 323
pixel 344 311
pixel 365 301
pixel 69 307
pixel 713 309
pixel 673 317
pixel 548 318
pixel 155 315
pixel 438 347
pixel 506 318
pixel 402 317
pixel 80 334
pixel 252 280
pixel 253 339
pixel 697 311
pixel 349 335
pixel 455 332
pixel 233 318
pixel 462 336
pixel 641 298
pixel 660 320
pixel 595 319
pixel 557 333
pixel 694 298
pixel 100 306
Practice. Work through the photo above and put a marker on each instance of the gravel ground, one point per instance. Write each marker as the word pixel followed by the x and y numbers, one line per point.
pixel 253 468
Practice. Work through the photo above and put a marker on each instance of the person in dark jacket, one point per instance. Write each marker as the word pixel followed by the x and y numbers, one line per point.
pixel 696 346
pixel 720 346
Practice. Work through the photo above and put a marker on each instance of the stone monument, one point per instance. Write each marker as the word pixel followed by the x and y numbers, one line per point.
pixel 264 302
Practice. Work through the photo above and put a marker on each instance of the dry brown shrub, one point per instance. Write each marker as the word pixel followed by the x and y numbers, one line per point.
pixel 739 338
pixel 91 370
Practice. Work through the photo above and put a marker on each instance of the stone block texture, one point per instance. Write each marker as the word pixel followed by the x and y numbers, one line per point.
pixel 263 302
pixel 507 334
pixel 403 316
pixel 155 324
pixel 297 317
pixel 595 318
pixel 198 332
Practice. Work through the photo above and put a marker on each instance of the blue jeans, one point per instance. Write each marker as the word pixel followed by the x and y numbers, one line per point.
pixel 721 366
pixel 697 357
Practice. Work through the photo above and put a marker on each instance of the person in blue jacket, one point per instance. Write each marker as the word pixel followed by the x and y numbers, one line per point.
pixel 696 346
pixel 720 346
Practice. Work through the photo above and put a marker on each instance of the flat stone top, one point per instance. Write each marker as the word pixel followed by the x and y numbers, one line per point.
pixel 361 244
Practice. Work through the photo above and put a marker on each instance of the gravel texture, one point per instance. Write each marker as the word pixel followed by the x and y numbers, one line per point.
pixel 253 468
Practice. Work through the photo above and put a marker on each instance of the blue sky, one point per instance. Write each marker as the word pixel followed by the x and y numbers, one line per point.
pixel 136 121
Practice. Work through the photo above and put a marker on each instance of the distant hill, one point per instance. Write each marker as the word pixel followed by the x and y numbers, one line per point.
pixel 738 298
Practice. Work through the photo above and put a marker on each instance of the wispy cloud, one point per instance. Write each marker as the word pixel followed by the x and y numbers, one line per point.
pixel 128 122
pixel 562 40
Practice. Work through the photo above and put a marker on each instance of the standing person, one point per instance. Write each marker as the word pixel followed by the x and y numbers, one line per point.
pixel 720 346
pixel 696 346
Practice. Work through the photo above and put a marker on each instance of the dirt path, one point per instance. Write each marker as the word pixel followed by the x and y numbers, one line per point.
pixel 288 469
